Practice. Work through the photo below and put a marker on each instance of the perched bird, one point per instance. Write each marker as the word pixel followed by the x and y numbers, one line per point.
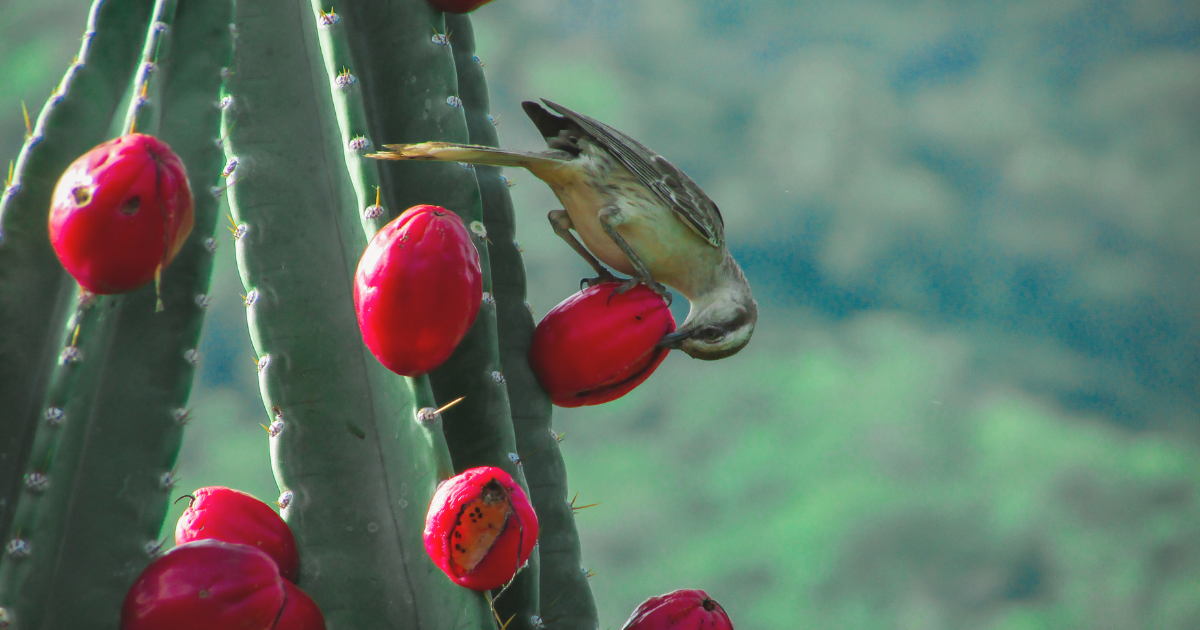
pixel 635 212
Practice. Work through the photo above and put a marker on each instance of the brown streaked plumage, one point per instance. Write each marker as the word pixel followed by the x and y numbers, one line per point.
pixel 634 211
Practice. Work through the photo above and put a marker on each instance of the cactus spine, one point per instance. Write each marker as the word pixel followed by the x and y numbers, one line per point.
pixel 100 468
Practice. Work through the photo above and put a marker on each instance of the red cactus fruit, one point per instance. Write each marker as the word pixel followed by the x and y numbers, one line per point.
pixel 233 516
pixel 204 585
pixel 417 289
pixel 679 610
pixel 119 212
pixel 480 528
pixel 596 346
pixel 457 6
pixel 300 612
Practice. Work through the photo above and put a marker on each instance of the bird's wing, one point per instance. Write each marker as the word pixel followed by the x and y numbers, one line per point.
pixel 672 185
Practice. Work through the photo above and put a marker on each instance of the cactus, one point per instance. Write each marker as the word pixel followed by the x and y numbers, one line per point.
pixel 566 598
pixel 358 451
pixel 108 426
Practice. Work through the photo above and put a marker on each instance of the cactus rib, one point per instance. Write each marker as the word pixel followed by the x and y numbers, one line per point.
pixel 36 295
pixel 361 470
pixel 335 34
pixel 566 597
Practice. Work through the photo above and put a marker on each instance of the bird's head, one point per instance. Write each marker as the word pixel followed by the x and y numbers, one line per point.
pixel 719 324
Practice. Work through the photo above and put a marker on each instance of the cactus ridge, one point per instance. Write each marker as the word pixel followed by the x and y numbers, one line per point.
pixel 565 594
pixel 408 39
pixel 36 295
pixel 110 432
pixel 360 467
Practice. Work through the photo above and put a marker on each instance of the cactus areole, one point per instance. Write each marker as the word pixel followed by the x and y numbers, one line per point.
pixel 598 345
pixel 418 289
pixel 205 585
pixel 685 609
pixel 480 528
pixel 121 212
pixel 233 516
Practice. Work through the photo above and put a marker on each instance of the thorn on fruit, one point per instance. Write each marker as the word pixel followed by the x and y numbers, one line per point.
pixel 182 497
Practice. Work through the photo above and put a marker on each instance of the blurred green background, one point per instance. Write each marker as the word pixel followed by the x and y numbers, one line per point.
pixel 973 229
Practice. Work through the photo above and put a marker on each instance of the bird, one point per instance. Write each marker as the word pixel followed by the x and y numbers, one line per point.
pixel 635 212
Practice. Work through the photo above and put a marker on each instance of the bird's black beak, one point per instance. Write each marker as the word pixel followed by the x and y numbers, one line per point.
pixel 674 340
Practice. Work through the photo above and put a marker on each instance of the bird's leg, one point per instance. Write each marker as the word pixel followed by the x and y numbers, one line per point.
pixel 610 217
pixel 561 222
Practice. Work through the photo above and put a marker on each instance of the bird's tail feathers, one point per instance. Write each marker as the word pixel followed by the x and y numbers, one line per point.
pixel 449 152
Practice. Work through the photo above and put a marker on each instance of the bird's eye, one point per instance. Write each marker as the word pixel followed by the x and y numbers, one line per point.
pixel 710 334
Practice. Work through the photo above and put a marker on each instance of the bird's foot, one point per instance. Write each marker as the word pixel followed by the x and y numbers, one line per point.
pixel 605 276
pixel 655 286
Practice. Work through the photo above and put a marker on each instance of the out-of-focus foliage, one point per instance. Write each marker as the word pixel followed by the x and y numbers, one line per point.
pixel 974 230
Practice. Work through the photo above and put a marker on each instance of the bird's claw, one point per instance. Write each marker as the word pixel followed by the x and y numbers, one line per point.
pixel 605 276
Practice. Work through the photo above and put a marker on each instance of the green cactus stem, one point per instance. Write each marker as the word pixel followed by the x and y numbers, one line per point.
pixel 100 470
pixel 356 466
pixel 404 88
pixel 36 295
pixel 565 596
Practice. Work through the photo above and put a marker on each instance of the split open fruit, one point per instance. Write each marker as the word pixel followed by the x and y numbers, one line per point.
pixel 480 528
